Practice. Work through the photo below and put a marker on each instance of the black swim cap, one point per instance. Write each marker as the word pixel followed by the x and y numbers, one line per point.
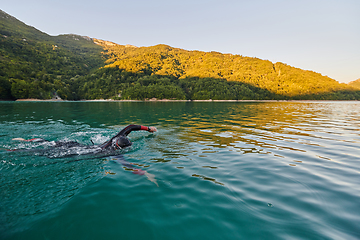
pixel 123 142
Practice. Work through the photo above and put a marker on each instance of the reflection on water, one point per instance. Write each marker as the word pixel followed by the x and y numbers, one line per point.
pixel 258 170
pixel 272 128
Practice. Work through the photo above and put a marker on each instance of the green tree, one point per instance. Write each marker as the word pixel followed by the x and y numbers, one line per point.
pixel 20 89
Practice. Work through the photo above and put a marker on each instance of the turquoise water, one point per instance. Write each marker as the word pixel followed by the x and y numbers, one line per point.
pixel 259 170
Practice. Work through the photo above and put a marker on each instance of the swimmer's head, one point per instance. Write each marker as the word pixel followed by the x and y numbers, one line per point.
pixel 123 142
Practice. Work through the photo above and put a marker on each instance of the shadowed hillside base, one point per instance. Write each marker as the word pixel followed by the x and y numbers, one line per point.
pixel 115 83
pixel 120 84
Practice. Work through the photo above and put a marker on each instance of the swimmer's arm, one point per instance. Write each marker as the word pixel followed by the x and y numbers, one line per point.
pixel 131 128
pixel 126 132
pixel 120 159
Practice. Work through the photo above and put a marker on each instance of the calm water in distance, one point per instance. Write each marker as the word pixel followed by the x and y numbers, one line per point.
pixel 258 170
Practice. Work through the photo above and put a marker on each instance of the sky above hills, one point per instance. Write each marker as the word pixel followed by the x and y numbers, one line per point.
pixel 318 35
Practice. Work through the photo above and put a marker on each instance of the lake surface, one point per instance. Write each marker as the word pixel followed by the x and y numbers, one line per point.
pixel 225 170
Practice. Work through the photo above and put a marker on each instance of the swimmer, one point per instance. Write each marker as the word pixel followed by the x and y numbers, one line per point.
pixel 119 141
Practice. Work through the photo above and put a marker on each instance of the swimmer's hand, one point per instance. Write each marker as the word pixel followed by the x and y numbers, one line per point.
pixel 152 129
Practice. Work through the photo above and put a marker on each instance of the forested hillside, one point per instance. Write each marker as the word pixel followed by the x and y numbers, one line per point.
pixel 36 65
pixel 138 72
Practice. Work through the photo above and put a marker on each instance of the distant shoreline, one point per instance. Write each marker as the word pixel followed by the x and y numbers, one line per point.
pixel 169 100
